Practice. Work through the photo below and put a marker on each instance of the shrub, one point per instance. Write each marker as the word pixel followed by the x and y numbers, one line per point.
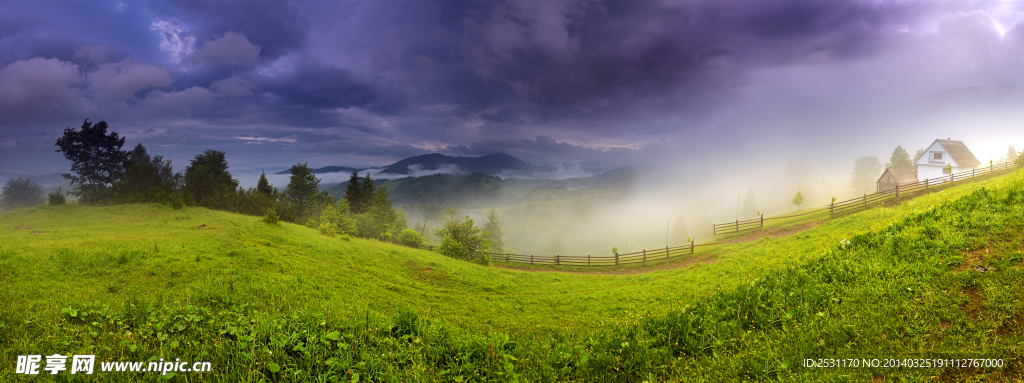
pixel 452 248
pixel 410 237
pixel 270 217
pixel 20 192
pixel 463 231
pixel 57 198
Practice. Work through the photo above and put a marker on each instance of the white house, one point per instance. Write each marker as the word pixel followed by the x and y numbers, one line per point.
pixel 932 163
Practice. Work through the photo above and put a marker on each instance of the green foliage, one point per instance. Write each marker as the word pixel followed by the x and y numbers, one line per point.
pixel 493 228
pixel 57 197
pixel 798 200
pixel 452 248
pixel 208 183
pixel 615 250
pixel 354 194
pixel 302 190
pixel 335 219
pixel 948 169
pixel 1011 154
pixel 20 192
pixel 899 158
pixel 866 171
pixel 1020 159
pixel 148 179
pixel 264 188
pixel 410 237
pixel 97 161
pixel 464 239
pixel 367 193
pixel 381 219
pixel 270 217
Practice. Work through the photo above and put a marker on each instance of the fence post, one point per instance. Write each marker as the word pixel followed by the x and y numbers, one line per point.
pixel 951 179
pixel 616 259
pixel 588 259
pixel 926 184
pixel 762 220
pixel 531 259
pixel 691 246
pixel 557 261
pixel 506 257
pixel 865 201
pixel 897 191
pixel 645 255
pixel 666 251
pixel 832 207
pixel 737 226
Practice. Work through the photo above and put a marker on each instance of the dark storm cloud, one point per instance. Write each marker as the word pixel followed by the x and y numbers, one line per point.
pixel 316 88
pixel 387 78
pixel 276 26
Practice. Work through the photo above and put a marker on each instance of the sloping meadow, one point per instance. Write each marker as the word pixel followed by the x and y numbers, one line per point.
pixel 940 283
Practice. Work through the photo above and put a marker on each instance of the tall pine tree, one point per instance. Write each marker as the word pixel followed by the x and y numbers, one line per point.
pixel 368 193
pixel 263 186
pixel 354 194
pixel 493 229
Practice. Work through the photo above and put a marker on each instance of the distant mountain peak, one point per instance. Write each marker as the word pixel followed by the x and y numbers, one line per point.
pixel 492 164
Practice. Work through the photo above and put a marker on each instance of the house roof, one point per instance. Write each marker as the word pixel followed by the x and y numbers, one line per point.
pixel 956 149
pixel 903 175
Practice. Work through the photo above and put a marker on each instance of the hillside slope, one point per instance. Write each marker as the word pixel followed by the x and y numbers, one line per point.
pixel 939 276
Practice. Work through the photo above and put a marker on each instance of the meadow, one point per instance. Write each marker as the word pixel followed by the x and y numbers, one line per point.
pixel 937 276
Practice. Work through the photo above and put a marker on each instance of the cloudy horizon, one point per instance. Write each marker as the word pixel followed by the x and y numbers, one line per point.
pixel 565 83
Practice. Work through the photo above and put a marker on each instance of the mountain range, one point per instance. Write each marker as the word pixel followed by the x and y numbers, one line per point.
pixel 491 164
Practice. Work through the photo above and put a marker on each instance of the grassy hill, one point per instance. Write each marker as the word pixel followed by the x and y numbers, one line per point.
pixel 939 276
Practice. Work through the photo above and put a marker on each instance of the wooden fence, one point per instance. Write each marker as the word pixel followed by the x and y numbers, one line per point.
pixel 590 260
pixel 866 201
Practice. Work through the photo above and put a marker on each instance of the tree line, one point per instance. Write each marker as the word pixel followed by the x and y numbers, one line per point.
pixel 105 174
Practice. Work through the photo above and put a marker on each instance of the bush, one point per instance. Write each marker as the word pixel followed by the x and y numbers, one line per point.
pixel 270 217
pixel 472 240
pixel 57 198
pixel 452 248
pixel 410 237
pixel 20 192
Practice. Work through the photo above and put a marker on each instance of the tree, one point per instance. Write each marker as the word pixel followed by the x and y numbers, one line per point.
pixel 1011 154
pixel 20 192
pixel 97 160
pixel 148 179
pixel 367 193
pixel 865 173
pixel 263 187
pixel 302 189
pixel 56 197
pixel 460 238
pixel 336 219
pixel 208 183
pixel 493 228
pixel 679 236
pixel 354 193
pixel 379 221
pixel 410 237
pixel 798 200
pixel 749 204
pixel 1020 159
pixel 899 157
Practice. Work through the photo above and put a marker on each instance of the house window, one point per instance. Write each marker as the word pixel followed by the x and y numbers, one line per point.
pixel 937 156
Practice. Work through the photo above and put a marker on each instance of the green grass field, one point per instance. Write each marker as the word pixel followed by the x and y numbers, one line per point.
pixel 936 276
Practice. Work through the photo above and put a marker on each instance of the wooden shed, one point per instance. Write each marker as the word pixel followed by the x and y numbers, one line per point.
pixel 894 177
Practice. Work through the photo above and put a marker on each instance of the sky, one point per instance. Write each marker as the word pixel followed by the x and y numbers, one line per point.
pixel 691 88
